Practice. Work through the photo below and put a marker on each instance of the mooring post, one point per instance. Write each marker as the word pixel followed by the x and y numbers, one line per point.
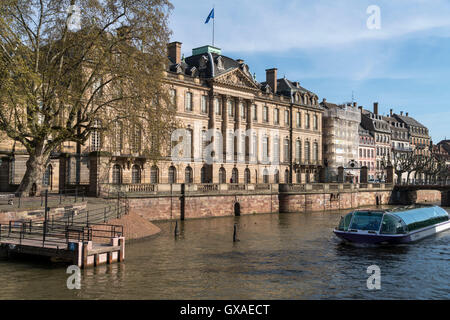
pixel 235 233
pixel 176 228
pixel 118 205
pixel 45 217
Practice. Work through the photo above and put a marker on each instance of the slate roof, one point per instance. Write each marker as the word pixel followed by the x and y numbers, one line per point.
pixel 200 66
pixel 409 120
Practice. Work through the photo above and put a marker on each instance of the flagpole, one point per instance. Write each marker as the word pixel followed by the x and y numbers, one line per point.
pixel 214 20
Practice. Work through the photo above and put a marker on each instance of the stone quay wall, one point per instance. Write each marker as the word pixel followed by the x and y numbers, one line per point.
pixel 217 200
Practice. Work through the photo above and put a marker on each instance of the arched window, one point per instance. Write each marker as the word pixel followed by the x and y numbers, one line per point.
pixel 315 122
pixel 247 176
pixel 276 177
pixel 286 176
pixel 287 157
pixel 307 151
pixel 265 176
pixel 116 174
pixel 188 175
pixel 298 176
pixel 235 176
pixel 316 151
pixel 47 177
pixel 118 136
pixel 136 139
pixel 95 136
pixel 135 174
pixel 172 175
pixel 222 175
pixel 217 106
pixel 154 174
pixel 265 149
pixel 298 150
pixel 203 174
pixel 276 149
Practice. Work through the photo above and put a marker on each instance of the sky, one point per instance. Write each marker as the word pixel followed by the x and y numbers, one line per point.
pixel 399 58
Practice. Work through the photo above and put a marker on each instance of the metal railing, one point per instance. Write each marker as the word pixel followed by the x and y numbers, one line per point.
pixel 70 195
pixel 85 225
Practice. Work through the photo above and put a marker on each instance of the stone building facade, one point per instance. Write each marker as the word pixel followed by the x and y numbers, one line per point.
pixel 367 152
pixel 268 132
pixel 419 138
pixel 340 140
pixel 381 131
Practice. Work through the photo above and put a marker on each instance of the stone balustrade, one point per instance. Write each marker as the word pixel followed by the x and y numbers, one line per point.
pixel 217 188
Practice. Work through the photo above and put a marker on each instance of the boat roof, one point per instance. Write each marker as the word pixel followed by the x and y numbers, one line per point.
pixel 420 214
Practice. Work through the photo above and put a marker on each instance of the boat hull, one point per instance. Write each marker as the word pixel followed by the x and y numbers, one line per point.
pixel 416 235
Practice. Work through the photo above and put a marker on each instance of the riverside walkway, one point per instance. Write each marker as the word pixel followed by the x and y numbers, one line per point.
pixel 83 238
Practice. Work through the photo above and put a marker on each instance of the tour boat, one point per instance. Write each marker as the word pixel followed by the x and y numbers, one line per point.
pixel 402 225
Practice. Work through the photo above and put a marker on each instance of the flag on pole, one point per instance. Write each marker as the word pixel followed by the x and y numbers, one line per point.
pixel 211 15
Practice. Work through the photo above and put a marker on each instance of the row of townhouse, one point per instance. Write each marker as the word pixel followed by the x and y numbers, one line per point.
pixel 237 130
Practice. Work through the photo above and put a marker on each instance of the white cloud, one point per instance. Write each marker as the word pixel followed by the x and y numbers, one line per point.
pixel 271 26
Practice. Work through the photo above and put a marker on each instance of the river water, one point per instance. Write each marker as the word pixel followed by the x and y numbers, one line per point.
pixel 285 256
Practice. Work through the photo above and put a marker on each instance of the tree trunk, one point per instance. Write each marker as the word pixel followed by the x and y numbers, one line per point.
pixel 31 183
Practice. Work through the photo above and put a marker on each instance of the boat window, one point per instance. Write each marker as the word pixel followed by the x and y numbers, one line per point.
pixel 345 221
pixel 422 217
pixel 366 220
pixel 392 225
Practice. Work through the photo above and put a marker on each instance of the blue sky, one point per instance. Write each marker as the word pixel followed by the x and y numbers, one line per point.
pixel 327 46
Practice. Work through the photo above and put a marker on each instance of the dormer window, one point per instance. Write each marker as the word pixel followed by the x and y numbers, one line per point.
pixel 219 63
pixel 202 63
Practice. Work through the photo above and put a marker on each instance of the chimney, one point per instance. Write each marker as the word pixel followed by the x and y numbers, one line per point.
pixel 407 114
pixel 174 52
pixel 354 104
pixel 271 79
pixel 375 108
pixel 401 113
pixel 324 100
pixel 240 61
pixel 360 109
pixel 390 112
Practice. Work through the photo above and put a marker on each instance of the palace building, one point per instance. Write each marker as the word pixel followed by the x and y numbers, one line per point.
pixel 269 132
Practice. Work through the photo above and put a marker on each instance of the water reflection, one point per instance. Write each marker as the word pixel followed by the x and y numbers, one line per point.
pixel 286 256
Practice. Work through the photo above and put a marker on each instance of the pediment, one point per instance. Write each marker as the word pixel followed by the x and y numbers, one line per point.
pixel 236 78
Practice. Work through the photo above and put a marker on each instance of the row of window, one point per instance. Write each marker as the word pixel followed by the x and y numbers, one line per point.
pixel 366 153
pixel 366 140
pixel 242 111
pixel 383 151
pixel 382 138
pixel 189 178
pixel 239 146
pixel 369 165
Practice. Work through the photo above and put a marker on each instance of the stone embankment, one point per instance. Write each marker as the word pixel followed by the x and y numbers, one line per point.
pixel 135 226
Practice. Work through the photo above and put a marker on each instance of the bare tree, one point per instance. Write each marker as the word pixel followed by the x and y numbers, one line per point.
pixel 402 162
pixel 57 82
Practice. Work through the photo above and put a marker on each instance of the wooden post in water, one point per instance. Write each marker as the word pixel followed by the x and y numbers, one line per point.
pixel 45 217
pixel 176 228
pixel 235 233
